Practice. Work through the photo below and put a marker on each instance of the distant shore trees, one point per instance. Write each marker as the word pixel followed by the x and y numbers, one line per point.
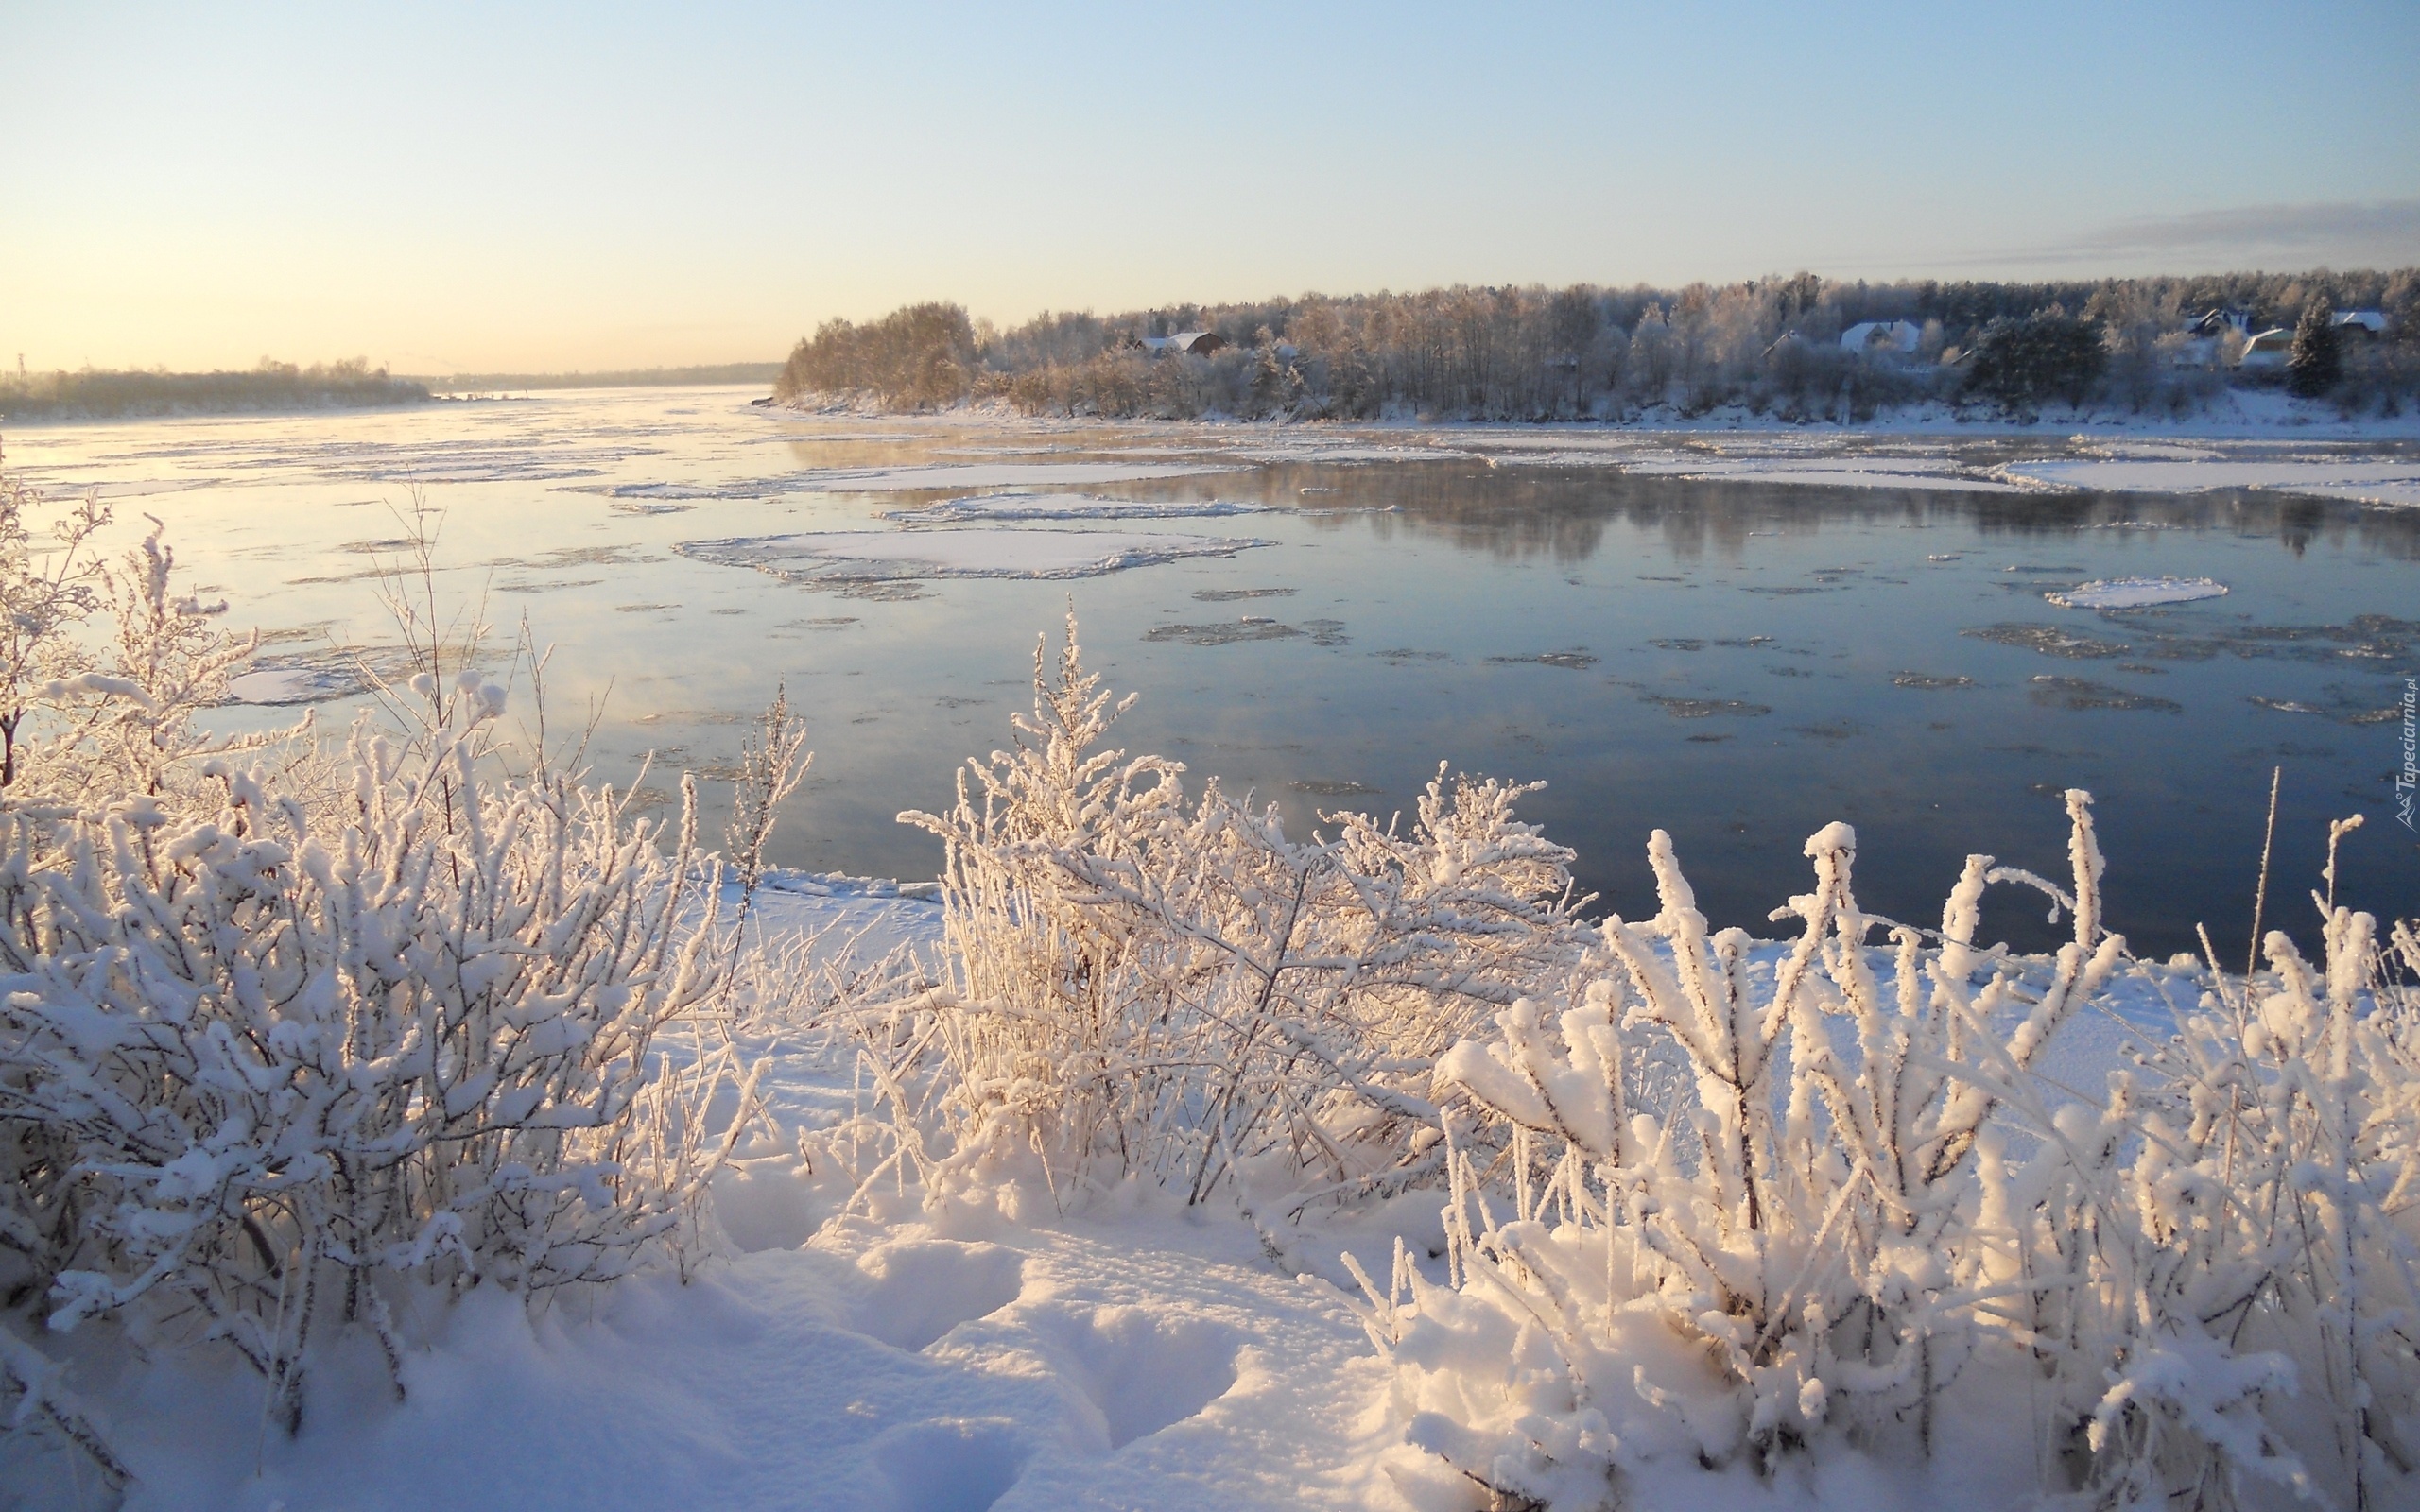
pixel 2045 356
pixel 920 357
pixel 269 385
pixel 1771 346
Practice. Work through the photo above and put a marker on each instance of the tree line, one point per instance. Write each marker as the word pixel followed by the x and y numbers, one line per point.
pixel 717 373
pixel 96 394
pixel 1771 346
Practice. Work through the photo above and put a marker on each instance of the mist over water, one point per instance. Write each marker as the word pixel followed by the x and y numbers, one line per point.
pixel 1734 659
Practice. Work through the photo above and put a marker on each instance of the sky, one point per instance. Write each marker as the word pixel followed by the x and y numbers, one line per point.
pixel 503 187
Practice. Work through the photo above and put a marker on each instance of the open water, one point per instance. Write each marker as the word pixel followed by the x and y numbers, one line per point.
pixel 1735 660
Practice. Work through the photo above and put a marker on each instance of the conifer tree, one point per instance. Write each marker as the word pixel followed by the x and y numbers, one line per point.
pixel 2316 360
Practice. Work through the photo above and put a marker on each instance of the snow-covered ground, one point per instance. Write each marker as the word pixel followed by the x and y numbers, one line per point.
pixel 1115 1362
pixel 1129 1353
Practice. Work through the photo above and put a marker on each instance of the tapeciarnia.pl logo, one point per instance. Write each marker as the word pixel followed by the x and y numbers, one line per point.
pixel 2409 779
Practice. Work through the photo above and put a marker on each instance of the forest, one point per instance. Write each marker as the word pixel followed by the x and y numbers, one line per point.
pixel 96 394
pixel 1773 347
pixel 720 372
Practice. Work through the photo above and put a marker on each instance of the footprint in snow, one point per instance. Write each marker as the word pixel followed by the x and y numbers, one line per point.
pixel 922 1289
pixel 950 1464
pixel 1143 1371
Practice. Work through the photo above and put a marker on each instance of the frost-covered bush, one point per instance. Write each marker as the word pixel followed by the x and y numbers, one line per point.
pixel 272 1046
pixel 1861 1207
pixel 1142 983
pixel 255 1064
pixel 47 590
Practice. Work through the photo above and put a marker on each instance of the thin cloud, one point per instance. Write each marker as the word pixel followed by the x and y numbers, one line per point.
pixel 2354 223
pixel 2344 233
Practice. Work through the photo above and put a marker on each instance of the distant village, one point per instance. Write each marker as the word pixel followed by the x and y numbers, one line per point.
pixel 2216 338
pixel 1800 348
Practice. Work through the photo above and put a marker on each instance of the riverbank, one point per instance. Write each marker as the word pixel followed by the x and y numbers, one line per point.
pixel 2234 415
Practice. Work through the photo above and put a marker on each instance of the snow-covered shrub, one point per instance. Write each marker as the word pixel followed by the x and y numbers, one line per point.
pixel 46 593
pixel 271 1063
pixel 1150 984
pixel 772 762
pixel 2266 1165
pixel 1864 1199
pixel 267 1051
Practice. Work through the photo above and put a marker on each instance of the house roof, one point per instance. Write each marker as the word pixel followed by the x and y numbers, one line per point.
pixel 1898 336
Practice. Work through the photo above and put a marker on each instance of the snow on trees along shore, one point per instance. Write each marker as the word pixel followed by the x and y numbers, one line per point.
pixel 1798 347
pixel 310 1051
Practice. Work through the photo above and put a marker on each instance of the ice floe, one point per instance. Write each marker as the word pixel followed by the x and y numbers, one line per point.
pixel 2083 694
pixel 997 475
pixel 289 685
pixel 1067 506
pixel 1346 454
pixel 744 489
pixel 1827 471
pixel 317 677
pixel 2137 593
pixel 909 479
pixel 908 554
pixel 2361 480
pixel 1251 627
pixel 133 489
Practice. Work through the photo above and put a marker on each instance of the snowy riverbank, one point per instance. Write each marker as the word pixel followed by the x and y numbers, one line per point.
pixel 1122 1351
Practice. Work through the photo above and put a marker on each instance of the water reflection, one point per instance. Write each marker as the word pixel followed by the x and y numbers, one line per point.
pixel 1734 661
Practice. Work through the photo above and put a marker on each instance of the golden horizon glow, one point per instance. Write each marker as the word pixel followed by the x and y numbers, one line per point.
pixel 472 190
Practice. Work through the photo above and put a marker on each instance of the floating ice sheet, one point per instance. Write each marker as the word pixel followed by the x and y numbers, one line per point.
pixel 130 489
pixel 744 489
pixel 2363 480
pixel 887 555
pixel 1827 471
pixel 289 685
pixel 982 507
pixel 1250 628
pixel 2083 694
pixel 2137 593
pixel 317 677
pixel 1330 452
pixel 909 479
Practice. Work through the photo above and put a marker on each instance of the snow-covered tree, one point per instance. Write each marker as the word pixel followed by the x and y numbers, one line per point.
pixel 2315 362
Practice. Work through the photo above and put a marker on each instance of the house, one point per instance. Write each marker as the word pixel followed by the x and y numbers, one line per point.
pixel 2362 322
pixel 1197 343
pixel 1881 336
pixel 2219 322
pixel 2268 349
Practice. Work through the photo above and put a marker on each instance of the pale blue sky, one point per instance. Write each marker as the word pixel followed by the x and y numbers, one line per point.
pixel 455 187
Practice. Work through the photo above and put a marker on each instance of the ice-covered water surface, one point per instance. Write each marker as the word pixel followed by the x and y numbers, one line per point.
pixel 2137 593
pixel 824 556
pixel 1733 636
